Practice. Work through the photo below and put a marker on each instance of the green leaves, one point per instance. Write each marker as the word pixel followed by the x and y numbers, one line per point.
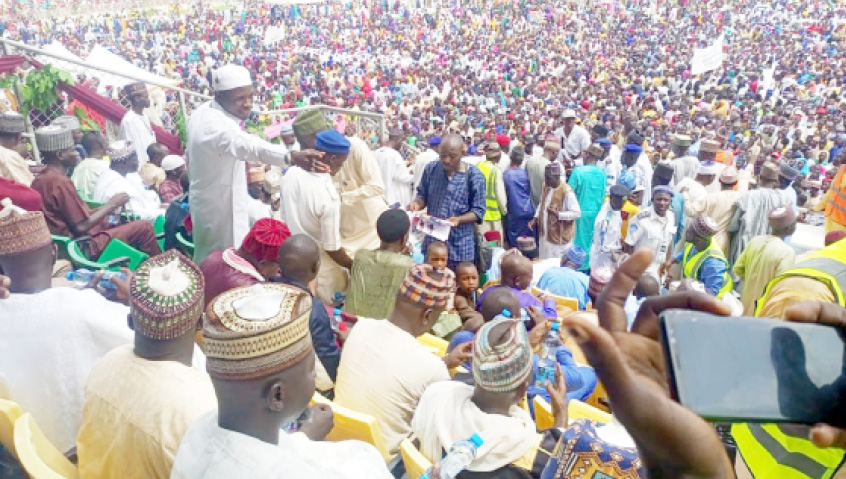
pixel 38 89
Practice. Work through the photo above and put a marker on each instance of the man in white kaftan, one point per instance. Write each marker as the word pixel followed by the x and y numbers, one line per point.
pixel 50 341
pixel 209 451
pixel 218 148
pixel 135 126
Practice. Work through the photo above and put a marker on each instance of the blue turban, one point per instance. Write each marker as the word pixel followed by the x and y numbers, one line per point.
pixel 633 148
pixel 332 142
pixel 435 141
pixel 576 255
pixel 604 142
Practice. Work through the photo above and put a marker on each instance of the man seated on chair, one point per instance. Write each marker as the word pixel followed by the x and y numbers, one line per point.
pixel 141 399
pixel 122 177
pixel 261 361
pixel 581 380
pixel 299 261
pixel 52 336
pixel 450 411
pixel 376 275
pixel 87 173
pixel 254 262
pixel 384 370
pixel 567 280
pixel 67 214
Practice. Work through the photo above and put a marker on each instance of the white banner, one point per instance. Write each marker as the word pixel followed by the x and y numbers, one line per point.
pixel 708 58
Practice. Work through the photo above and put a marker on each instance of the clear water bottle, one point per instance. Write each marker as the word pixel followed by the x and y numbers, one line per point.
pixel 459 458
pixel 82 277
pixel 114 217
pixel 547 363
pixel 337 320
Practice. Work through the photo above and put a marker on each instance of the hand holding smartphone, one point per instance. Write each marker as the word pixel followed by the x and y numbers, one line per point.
pixel 755 369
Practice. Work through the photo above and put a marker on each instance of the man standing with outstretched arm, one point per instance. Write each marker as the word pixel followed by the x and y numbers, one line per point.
pixel 218 148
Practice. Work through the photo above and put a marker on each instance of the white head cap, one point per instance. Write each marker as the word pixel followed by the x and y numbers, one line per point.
pixel 172 162
pixel 229 77
pixel 569 114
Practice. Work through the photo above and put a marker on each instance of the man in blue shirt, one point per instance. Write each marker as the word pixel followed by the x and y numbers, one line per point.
pixel 453 191
pixel 520 207
pixel 567 280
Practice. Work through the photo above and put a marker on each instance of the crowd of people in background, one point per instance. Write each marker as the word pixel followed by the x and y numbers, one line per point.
pixel 546 167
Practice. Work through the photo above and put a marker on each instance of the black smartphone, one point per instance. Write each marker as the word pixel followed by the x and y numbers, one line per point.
pixel 755 369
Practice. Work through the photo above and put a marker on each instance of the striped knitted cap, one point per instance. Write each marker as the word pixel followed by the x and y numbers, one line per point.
pixel 506 366
pixel 427 286
pixel 255 331
pixel 166 296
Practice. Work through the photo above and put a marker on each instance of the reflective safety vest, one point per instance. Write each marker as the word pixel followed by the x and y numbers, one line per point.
pixel 692 264
pixel 770 452
pixel 767 449
pixel 827 265
pixel 490 172
pixel 835 207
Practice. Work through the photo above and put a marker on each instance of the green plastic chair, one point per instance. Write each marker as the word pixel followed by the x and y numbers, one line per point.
pixel 186 246
pixel 116 255
pixel 62 243
pixel 158 227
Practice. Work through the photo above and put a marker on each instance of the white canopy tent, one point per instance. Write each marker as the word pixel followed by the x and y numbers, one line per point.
pixel 102 58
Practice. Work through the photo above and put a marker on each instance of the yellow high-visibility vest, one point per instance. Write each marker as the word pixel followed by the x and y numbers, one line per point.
pixel 767 449
pixel 827 265
pixel 490 172
pixel 692 264
pixel 769 452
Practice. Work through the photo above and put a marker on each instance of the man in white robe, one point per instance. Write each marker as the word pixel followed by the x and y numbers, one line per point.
pixel 218 148
pixel 135 126
pixel 50 338
pixel 122 177
pixel 396 174
pixel 311 206
pixel 424 159
pixel 261 387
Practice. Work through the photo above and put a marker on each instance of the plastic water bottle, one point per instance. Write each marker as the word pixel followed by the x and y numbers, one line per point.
pixel 337 320
pixel 114 218
pixel 82 277
pixel 546 365
pixel 460 456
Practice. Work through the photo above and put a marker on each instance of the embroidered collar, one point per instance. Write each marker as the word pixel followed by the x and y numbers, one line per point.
pixel 240 264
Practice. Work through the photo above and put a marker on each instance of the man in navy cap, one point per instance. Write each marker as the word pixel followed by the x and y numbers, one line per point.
pixel 633 161
pixel 311 206
pixel 610 161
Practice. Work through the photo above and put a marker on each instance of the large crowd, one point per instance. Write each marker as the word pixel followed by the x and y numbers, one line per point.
pixel 551 178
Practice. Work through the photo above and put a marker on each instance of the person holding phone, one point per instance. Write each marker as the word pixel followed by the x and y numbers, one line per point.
pixel 671 440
